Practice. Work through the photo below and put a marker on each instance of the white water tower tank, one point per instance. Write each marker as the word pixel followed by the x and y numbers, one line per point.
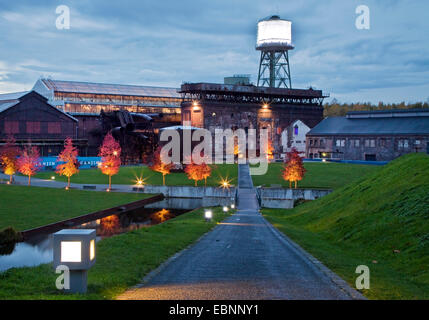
pixel 274 34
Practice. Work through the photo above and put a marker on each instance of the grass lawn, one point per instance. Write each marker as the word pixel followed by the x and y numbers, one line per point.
pixel 319 175
pixel 381 220
pixel 129 175
pixel 23 207
pixel 122 260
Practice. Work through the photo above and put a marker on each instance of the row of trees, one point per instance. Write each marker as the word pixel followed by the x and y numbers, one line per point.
pixel 13 159
pixel 340 109
pixel 27 160
pixel 194 171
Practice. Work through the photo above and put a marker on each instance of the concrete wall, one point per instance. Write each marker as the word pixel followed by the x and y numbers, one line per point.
pixel 190 192
pixel 285 198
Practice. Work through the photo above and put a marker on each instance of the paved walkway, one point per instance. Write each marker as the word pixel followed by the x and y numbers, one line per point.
pixel 23 181
pixel 242 258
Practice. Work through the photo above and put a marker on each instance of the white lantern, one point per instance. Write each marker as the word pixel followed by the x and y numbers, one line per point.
pixel 75 249
pixel 208 214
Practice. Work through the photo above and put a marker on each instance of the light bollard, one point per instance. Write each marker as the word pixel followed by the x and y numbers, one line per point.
pixel 208 215
pixel 225 209
pixel 75 249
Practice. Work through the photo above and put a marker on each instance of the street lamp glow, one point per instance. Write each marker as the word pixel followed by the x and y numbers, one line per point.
pixel 53 178
pixel 225 209
pixel 232 206
pixel 208 215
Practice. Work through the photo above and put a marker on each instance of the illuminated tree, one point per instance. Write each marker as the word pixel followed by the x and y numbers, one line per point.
pixel 198 172
pixel 206 172
pixel 69 157
pixel 110 153
pixel 29 162
pixel 160 166
pixel 9 157
pixel 293 170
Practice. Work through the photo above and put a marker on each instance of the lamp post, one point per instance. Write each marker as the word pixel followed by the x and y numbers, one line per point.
pixel 75 249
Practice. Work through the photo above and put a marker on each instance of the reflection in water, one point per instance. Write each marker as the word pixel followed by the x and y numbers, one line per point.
pixel 38 250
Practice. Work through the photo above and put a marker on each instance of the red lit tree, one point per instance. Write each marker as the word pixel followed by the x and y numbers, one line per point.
pixel 29 162
pixel 69 157
pixel 9 157
pixel 293 170
pixel 159 166
pixel 110 153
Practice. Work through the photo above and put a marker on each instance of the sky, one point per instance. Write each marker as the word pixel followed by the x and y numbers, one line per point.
pixel 166 43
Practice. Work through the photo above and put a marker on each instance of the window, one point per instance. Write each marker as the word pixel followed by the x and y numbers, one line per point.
pixel 322 142
pixel 402 144
pixel 340 143
pixel 417 142
pixel 370 143
pixel 54 127
pixel 11 127
pixel 311 142
pixel 295 130
pixel 33 127
pixel 357 143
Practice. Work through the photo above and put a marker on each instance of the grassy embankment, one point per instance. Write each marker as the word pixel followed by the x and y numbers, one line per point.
pixel 24 207
pixel 381 220
pixel 122 260
pixel 319 175
pixel 129 176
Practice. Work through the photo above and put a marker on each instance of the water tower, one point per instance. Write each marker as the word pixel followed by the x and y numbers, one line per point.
pixel 274 40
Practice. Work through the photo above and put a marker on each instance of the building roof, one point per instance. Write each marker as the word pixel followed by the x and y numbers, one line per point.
pixel 217 88
pixel 12 95
pixel 10 100
pixel 4 105
pixel 110 89
pixel 413 125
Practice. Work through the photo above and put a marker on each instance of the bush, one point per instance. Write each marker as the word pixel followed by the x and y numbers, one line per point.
pixel 9 235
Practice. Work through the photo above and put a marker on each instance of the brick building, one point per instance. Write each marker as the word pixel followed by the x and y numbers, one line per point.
pixel 370 135
pixel 221 106
pixel 29 117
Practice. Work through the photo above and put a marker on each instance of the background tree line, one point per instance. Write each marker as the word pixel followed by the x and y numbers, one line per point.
pixel 334 108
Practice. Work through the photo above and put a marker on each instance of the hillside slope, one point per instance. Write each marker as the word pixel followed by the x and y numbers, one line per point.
pixel 381 221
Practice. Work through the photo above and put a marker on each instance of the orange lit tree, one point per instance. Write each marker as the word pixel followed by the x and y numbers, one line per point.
pixel 110 153
pixel 198 172
pixel 293 170
pixel 9 157
pixel 159 166
pixel 206 172
pixel 29 162
pixel 69 157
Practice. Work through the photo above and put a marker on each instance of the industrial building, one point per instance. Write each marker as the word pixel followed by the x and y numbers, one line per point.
pixel 89 102
pixel 272 104
pixel 31 119
pixel 370 135
pixel 220 106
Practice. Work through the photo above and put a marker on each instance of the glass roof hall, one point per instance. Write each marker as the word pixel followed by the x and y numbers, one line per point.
pixel 110 89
